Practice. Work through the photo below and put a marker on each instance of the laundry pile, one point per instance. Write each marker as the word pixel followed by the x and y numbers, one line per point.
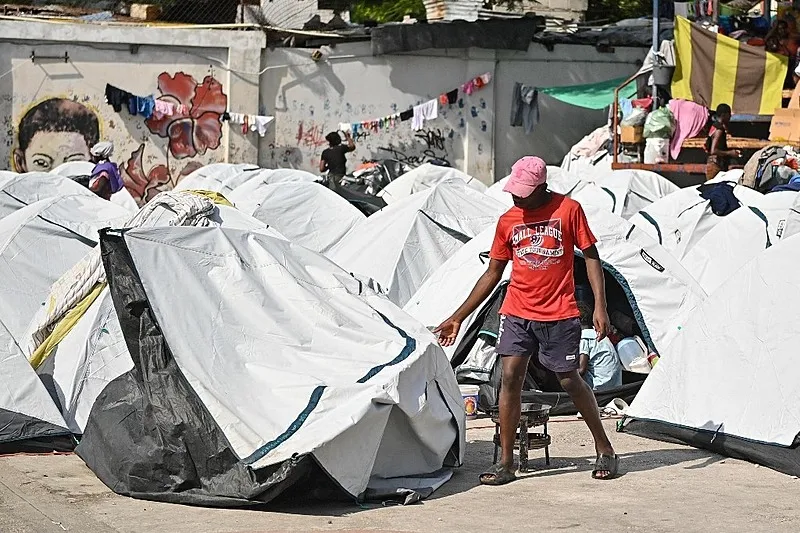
pixel 773 169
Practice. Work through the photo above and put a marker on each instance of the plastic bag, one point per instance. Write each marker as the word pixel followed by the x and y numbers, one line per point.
pixel 659 124
pixel 637 117
pixel 656 151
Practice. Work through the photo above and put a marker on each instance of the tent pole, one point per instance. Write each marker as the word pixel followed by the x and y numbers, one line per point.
pixel 655 50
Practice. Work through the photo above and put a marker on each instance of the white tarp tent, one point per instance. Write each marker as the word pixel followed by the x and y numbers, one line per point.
pixel 400 246
pixel 742 235
pixel 38 243
pixel 306 213
pixel 93 352
pixel 730 380
pixel 19 190
pixel 678 221
pixel 424 177
pixel 271 360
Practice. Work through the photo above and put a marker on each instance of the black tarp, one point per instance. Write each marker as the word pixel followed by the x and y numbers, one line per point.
pixel 23 433
pixel 515 34
pixel 781 458
pixel 150 436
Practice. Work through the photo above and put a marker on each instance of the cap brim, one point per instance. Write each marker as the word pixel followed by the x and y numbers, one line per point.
pixel 518 189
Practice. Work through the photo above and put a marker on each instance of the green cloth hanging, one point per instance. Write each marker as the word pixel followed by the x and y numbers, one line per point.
pixel 592 95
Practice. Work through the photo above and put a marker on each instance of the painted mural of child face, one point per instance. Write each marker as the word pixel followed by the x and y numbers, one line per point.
pixel 55 132
pixel 49 149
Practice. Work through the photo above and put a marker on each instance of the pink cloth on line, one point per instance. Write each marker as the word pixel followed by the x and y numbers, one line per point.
pixel 690 119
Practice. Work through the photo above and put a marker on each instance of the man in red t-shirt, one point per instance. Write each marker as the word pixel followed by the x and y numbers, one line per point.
pixel 539 315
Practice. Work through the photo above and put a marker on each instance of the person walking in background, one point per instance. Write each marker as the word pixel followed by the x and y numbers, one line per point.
pixel 719 156
pixel 334 158
pixel 539 315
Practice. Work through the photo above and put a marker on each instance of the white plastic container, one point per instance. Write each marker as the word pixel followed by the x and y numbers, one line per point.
pixel 630 350
pixel 470 395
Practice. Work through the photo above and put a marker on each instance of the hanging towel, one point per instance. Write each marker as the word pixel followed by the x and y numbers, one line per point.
pixel 723 201
pixel 343 126
pixel 525 107
pixel 406 115
pixel 690 119
pixel 427 111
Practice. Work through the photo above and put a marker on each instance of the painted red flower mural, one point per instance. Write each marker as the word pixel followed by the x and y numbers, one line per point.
pixel 146 184
pixel 196 127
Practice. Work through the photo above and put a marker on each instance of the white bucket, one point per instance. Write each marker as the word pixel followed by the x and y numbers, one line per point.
pixel 631 349
pixel 470 395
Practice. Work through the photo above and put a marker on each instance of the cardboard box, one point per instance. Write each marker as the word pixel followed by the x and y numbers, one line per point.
pixel 631 134
pixel 785 125
pixel 148 12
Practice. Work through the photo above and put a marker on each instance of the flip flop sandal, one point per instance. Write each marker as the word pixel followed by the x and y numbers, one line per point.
pixel 497 475
pixel 606 463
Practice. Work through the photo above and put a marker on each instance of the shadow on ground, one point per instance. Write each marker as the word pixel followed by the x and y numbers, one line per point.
pixel 479 457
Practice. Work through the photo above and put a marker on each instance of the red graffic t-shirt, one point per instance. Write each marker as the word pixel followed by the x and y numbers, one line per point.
pixel 541 244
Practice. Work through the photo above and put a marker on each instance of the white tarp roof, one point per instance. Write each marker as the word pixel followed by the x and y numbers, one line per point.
pixel 291 334
pixel 733 366
pixel 740 236
pixel 425 177
pixel 224 177
pixel 632 190
pixel 656 282
pixel 307 213
pixel 405 242
pixel 678 221
pixel 19 190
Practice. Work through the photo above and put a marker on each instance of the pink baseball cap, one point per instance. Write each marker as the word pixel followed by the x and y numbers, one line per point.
pixel 526 174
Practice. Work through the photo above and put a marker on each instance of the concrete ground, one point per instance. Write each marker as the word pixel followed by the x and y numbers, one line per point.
pixel 664 488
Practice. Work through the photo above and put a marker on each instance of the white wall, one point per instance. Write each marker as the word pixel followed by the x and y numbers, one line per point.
pixel 310 99
pixel 561 125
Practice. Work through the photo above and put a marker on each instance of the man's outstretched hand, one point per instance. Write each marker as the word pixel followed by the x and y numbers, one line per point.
pixel 448 331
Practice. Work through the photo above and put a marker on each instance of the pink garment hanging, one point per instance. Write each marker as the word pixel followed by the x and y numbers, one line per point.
pixel 690 119
pixel 163 109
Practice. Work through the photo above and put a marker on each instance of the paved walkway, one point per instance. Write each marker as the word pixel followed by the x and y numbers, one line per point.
pixel 664 488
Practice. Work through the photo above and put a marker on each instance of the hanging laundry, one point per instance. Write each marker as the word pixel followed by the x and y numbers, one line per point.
pixel 117 98
pixel 141 105
pixel 625 107
pixel 443 99
pixel 163 109
pixel 260 124
pixel 469 87
pixel 225 117
pixel 406 115
pixel 452 97
pixel 344 126
pixel 690 120
pixel 525 107
pixel 427 111
pixel 486 78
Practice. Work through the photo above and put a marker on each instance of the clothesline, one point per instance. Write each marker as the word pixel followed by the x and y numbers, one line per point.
pixel 418 114
pixel 149 106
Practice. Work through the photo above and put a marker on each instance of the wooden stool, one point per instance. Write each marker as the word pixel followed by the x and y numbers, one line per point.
pixel 532 415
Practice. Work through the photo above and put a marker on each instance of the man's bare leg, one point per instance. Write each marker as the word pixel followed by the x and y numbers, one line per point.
pixel 514 370
pixel 585 402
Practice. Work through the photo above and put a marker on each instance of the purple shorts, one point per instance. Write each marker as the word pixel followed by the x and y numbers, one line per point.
pixel 557 343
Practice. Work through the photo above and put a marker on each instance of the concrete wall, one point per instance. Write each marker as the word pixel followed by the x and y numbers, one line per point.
pixel 561 125
pixel 310 99
pixel 66 112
